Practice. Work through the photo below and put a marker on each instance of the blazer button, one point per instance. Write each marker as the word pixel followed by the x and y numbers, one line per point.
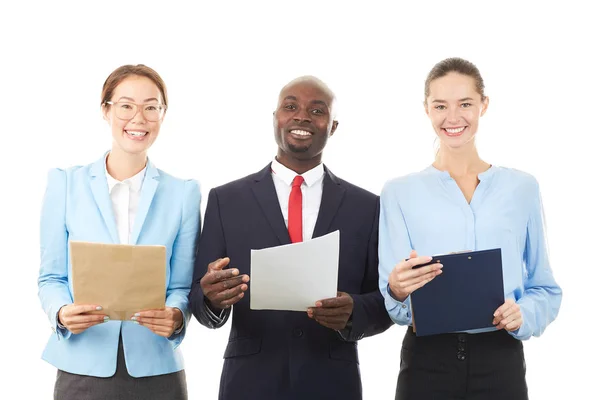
pixel 461 356
pixel 298 332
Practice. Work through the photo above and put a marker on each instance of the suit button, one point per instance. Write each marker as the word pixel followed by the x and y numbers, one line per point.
pixel 461 347
pixel 462 338
pixel 461 356
pixel 297 332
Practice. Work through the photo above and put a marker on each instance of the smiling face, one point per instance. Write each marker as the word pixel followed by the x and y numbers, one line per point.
pixel 134 135
pixel 303 122
pixel 454 106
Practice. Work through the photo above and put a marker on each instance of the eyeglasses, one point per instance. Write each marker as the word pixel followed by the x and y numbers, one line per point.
pixel 126 110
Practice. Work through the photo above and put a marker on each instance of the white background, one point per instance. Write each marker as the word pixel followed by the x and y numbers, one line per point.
pixel 224 63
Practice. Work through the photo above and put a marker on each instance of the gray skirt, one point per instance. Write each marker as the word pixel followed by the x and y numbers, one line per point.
pixel 120 386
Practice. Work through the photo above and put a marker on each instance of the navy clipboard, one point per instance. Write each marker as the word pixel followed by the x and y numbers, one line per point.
pixel 463 297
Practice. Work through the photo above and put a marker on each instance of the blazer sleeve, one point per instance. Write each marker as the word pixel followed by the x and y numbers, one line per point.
pixel 211 246
pixel 182 257
pixel 53 283
pixel 369 316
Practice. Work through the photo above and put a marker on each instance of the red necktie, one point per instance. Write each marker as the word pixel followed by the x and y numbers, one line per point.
pixel 295 210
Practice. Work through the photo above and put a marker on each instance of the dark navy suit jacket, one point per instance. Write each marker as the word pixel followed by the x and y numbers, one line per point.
pixel 284 355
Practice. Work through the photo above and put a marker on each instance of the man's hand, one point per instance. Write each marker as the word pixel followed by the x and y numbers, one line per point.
pixel 223 288
pixel 162 322
pixel 333 313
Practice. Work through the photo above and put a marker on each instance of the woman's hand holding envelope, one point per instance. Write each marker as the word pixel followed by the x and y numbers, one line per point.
pixel 162 322
pixel 404 279
pixel 76 319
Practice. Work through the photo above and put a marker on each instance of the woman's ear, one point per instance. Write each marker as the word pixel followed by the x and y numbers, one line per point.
pixel 105 110
pixel 484 105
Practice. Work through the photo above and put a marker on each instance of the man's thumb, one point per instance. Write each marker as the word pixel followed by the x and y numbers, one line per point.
pixel 219 264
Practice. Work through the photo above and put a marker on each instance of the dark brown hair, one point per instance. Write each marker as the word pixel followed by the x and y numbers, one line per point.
pixel 458 65
pixel 125 71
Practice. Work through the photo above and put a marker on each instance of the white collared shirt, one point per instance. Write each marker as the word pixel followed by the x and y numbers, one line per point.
pixel 125 197
pixel 312 191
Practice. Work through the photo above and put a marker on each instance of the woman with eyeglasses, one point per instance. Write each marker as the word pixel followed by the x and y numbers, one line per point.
pixel 462 203
pixel 122 198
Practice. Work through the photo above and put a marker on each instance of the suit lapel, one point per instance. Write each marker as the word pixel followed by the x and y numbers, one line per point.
pixel 266 195
pixel 333 193
pixel 101 196
pixel 149 187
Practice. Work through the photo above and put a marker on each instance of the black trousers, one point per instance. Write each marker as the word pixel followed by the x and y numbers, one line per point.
pixel 483 366
pixel 120 386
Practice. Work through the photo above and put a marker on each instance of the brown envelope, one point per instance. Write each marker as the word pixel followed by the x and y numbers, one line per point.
pixel 123 279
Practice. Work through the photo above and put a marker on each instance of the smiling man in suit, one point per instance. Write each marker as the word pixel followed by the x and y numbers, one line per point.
pixel 284 354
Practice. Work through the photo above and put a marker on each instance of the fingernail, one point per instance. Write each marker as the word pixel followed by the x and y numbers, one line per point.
pixel 137 314
pixel 318 304
pixel 135 322
pixel 496 314
pixel 441 265
pixel 98 308
pixel 106 318
pixel 133 318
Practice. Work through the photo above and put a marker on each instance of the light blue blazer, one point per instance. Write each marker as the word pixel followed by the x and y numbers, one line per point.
pixel 77 206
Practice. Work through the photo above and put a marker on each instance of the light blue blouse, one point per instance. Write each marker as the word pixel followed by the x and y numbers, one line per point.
pixel 426 211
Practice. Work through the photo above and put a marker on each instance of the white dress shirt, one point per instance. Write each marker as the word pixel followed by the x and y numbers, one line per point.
pixel 125 197
pixel 312 191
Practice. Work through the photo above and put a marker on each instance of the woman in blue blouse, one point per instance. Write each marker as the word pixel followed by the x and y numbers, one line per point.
pixel 463 203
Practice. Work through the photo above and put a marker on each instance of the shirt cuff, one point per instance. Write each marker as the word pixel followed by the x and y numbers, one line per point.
pixel 399 311
pixel 58 324
pixel 346 332
pixel 216 319
pixel 391 300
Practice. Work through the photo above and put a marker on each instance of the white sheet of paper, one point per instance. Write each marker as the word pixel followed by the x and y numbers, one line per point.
pixel 294 276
